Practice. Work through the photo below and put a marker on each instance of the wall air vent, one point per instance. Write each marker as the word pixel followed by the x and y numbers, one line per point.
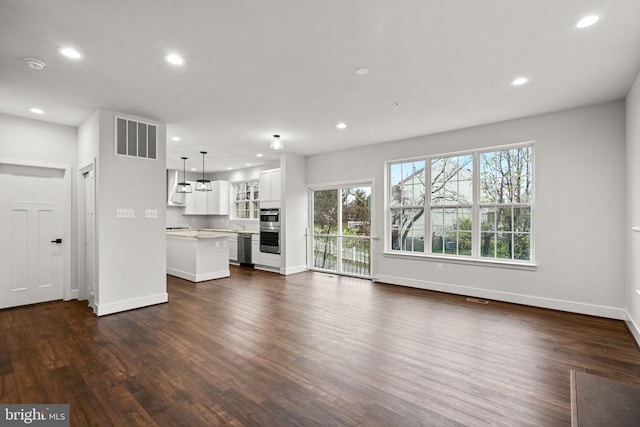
pixel 136 139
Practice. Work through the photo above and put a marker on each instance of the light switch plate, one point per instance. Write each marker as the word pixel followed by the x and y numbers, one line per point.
pixel 151 213
pixel 124 213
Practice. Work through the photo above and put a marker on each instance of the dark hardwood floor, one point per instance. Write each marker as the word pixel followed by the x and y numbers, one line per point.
pixel 309 349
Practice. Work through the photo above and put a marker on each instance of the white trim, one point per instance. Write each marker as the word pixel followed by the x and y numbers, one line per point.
pixel 633 327
pixel 636 228
pixel 338 184
pixel 130 304
pixel 266 268
pixel 465 152
pixel 67 208
pixel 293 270
pixel 475 205
pixel 554 304
pixel 201 277
pixel 489 262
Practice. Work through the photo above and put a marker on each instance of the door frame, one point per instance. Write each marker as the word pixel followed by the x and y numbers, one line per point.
pixel 368 182
pixel 68 293
pixel 81 235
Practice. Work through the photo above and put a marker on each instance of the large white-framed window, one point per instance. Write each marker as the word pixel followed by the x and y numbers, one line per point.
pixel 246 198
pixel 475 205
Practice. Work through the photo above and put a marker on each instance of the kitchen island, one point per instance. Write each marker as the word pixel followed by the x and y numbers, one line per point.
pixel 198 255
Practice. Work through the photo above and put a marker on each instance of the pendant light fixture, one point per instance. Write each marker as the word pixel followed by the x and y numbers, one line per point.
pixel 276 144
pixel 203 184
pixel 184 186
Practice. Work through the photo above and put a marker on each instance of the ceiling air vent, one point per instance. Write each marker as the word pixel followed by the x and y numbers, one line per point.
pixel 136 139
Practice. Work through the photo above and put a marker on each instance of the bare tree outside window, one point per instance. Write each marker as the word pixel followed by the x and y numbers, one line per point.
pixel 504 185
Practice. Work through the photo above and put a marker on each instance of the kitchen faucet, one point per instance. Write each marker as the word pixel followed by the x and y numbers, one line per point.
pixel 241 225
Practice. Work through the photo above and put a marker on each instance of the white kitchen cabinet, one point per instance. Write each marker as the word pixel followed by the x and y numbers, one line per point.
pixel 233 248
pixel 270 185
pixel 215 202
pixel 218 199
pixel 255 249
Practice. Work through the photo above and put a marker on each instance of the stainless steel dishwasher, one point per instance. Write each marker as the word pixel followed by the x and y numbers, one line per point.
pixel 244 249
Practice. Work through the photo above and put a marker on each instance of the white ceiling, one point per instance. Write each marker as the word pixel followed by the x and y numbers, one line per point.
pixel 256 68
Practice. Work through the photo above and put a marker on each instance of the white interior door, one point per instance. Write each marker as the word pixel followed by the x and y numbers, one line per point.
pixel 31 220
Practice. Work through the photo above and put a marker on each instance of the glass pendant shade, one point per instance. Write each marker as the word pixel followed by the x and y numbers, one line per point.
pixel 184 186
pixel 203 184
pixel 276 144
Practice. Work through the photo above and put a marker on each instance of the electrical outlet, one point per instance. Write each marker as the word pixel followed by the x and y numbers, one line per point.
pixel 124 213
pixel 439 267
pixel 151 213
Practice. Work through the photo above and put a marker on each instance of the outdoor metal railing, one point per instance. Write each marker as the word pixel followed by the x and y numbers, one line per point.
pixel 343 254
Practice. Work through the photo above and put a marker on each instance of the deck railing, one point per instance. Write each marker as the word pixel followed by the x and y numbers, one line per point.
pixel 355 254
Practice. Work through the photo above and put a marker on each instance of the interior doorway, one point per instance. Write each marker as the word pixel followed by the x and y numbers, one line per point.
pixel 87 236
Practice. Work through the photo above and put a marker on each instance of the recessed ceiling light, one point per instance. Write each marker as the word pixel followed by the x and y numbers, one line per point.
pixel 194 169
pixel 259 155
pixel 341 125
pixel 175 138
pixel 520 81
pixel 37 110
pixel 174 59
pixel 362 71
pixel 248 164
pixel 229 168
pixel 70 52
pixel 587 21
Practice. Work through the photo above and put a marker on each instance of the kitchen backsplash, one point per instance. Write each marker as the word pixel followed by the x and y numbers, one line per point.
pixel 176 219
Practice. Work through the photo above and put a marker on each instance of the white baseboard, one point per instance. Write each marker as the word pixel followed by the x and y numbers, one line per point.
pixel 73 294
pixel 555 304
pixel 130 304
pixel 198 277
pixel 633 327
pixel 267 268
pixel 293 270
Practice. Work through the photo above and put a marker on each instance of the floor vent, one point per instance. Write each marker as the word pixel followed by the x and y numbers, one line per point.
pixel 478 300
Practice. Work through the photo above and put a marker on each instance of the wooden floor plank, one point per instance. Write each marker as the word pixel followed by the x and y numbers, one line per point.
pixel 260 349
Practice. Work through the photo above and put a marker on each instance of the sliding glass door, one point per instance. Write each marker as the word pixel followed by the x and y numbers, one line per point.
pixel 342 230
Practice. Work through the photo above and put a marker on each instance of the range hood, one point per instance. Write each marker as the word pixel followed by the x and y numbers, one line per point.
pixel 173 197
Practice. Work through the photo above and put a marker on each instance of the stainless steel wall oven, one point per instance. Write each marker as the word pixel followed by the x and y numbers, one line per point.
pixel 270 230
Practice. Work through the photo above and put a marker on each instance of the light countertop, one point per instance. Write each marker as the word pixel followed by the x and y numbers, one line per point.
pixel 228 230
pixel 200 234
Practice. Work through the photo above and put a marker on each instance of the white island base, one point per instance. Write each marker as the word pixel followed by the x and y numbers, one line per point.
pixel 198 256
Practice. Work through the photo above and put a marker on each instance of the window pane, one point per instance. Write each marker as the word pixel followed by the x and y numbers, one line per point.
pixel 356 211
pixel 522 247
pixel 325 212
pixel 503 245
pixel 452 180
pixel 505 176
pixel 503 219
pixel 395 173
pixel 464 243
pixel 487 245
pixel 522 219
pixel 464 219
pixel 488 219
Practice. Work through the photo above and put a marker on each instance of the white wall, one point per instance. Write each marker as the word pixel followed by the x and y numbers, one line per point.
pixel 295 209
pixel 131 253
pixel 579 210
pixel 633 209
pixel 38 141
